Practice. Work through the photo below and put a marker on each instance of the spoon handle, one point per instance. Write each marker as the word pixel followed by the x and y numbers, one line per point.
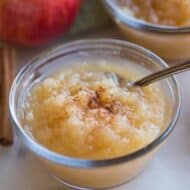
pixel 163 74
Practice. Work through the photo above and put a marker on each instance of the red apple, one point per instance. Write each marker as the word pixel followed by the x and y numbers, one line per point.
pixel 35 22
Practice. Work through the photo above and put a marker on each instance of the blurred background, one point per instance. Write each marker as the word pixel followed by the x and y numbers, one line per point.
pixel 29 27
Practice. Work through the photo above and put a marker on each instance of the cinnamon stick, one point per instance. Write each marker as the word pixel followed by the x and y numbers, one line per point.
pixel 7 72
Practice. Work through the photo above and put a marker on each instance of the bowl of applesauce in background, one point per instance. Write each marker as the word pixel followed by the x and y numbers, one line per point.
pixel 69 110
pixel 162 26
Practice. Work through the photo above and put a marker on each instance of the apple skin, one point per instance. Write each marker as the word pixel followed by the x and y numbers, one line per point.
pixel 35 22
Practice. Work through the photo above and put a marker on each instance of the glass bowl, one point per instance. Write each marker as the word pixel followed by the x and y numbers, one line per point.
pixel 91 173
pixel 171 43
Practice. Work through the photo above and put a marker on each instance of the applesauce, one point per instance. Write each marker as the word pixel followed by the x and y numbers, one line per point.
pixel 82 112
pixel 161 12
pixel 91 56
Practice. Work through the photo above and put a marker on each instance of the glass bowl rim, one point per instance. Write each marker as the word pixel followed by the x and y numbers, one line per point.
pixel 44 152
pixel 136 23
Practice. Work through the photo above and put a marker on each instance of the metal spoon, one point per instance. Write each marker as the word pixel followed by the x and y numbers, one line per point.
pixel 122 82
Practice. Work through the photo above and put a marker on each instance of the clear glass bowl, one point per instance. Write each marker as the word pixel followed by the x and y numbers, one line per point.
pixel 91 173
pixel 157 38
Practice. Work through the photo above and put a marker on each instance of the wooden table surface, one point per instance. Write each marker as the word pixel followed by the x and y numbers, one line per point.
pixel 170 169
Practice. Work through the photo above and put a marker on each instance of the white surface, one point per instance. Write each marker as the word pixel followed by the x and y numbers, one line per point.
pixel 170 169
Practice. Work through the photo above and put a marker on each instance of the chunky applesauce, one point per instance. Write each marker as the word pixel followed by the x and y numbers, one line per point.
pixel 162 12
pixel 82 112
